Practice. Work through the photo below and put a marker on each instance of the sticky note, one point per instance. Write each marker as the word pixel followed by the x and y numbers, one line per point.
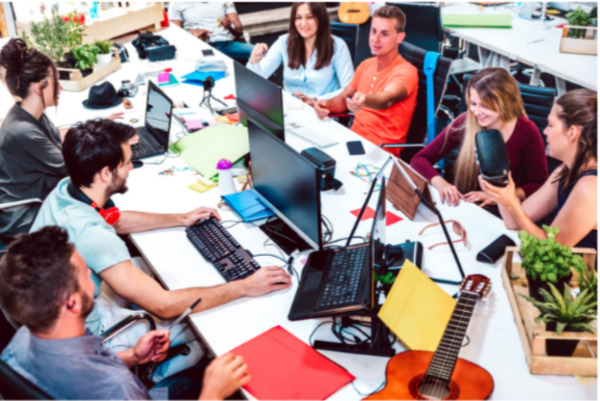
pixel 391 218
pixel 233 116
pixel 194 124
pixel 223 119
pixel 199 187
pixel 206 182
pixel 163 77
pixel 368 214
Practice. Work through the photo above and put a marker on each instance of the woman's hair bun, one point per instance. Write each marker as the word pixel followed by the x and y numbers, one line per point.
pixel 13 55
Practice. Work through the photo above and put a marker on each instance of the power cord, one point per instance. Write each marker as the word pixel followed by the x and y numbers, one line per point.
pixel 364 240
pixel 288 263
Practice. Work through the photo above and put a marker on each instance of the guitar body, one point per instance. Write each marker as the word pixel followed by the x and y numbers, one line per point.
pixel 406 370
pixel 353 12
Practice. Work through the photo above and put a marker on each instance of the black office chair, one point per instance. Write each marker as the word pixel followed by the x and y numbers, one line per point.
pixel 349 33
pixel 423 25
pixel 417 132
pixel 13 386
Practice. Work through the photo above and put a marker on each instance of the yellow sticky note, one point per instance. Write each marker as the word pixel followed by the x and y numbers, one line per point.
pixel 584 380
pixel 199 187
pixel 206 182
pixel 223 119
pixel 417 310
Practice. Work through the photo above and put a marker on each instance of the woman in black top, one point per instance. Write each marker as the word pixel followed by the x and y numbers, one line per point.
pixel 571 191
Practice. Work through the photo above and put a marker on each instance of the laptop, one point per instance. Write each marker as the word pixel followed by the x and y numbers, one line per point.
pixel 340 281
pixel 154 135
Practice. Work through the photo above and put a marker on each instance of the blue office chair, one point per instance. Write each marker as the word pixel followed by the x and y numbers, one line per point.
pixel 349 33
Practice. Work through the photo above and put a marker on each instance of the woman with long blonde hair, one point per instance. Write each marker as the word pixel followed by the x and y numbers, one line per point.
pixel 494 102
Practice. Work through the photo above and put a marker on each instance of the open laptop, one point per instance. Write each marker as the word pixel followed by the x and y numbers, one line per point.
pixel 340 281
pixel 154 135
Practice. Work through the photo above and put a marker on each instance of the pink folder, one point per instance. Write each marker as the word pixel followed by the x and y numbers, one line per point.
pixel 285 368
pixel 163 77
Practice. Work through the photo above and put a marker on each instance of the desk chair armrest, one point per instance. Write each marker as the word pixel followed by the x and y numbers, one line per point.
pixel 9 205
pixel 125 323
pixel 402 145
pixel 447 112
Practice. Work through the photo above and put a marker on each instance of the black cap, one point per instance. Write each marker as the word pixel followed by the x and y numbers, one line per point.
pixel 102 96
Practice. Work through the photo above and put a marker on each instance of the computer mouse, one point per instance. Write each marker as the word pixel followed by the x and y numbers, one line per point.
pixel 137 163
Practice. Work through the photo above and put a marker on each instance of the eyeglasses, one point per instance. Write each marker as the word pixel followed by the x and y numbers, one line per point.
pixel 458 229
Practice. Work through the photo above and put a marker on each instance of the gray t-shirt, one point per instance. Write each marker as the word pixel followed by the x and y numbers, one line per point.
pixel 203 16
pixel 79 368
pixel 31 164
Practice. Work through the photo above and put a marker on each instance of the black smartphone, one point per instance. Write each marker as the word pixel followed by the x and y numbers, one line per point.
pixel 355 148
pixel 208 53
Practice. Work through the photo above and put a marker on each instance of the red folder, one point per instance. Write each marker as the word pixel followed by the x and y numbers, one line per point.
pixel 285 368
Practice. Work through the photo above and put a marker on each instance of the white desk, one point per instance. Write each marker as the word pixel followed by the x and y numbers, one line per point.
pixel 494 342
pixel 500 46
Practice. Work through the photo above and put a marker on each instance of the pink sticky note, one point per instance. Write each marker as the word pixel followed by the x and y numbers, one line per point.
pixel 163 77
pixel 194 124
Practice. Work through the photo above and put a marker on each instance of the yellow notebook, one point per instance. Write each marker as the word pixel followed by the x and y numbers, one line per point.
pixel 417 310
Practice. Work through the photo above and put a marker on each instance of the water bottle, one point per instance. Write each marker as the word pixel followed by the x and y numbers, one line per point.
pixel 226 185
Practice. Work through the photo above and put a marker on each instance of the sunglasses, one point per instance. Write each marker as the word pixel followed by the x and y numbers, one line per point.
pixel 458 229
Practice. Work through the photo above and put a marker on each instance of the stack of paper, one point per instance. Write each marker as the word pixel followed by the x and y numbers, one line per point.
pixel 417 310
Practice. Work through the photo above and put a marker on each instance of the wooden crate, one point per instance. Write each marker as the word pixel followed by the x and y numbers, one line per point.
pixel 78 82
pixel 533 335
pixel 586 45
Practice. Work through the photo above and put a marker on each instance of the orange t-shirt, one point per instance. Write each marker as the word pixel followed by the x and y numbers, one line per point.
pixel 389 125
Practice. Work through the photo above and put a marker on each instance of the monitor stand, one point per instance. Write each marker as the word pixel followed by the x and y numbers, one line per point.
pixel 379 344
pixel 284 236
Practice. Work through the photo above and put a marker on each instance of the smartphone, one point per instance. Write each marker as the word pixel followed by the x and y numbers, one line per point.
pixel 355 148
pixel 208 53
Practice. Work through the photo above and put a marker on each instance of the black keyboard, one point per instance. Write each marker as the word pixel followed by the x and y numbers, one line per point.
pixel 141 148
pixel 342 281
pixel 222 250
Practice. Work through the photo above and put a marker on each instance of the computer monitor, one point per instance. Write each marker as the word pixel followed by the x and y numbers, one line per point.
pixel 287 183
pixel 378 229
pixel 159 109
pixel 258 99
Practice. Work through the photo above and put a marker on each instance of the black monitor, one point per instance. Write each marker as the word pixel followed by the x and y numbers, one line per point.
pixel 287 183
pixel 258 99
pixel 378 230
pixel 159 109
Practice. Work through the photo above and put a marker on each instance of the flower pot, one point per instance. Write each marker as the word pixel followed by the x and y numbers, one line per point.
pixel 536 285
pixel 560 347
pixel 87 72
pixel 103 60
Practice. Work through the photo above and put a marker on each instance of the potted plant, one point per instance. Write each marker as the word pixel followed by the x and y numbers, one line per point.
pixel 52 36
pixel 581 18
pixel 86 58
pixel 588 280
pixel 562 313
pixel 546 261
pixel 104 53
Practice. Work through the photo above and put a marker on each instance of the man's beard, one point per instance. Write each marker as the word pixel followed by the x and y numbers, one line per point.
pixel 87 305
pixel 117 186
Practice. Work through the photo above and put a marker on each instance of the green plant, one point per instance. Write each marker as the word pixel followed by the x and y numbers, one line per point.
pixel 52 36
pixel 578 18
pixel 564 311
pixel 588 281
pixel 545 258
pixel 85 56
pixel 386 279
pixel 105 46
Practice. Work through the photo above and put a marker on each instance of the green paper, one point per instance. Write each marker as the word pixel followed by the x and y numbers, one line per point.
pixel 172 82
pixel 477 21
pixel 203 149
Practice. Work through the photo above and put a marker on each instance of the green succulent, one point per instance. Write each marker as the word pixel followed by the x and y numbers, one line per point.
pixel 545 259
pixel 588 281
pixel 564 311
pixel 580 18
pixel 386 279
pixel 53 36
pixel 105 46
pixel 85 56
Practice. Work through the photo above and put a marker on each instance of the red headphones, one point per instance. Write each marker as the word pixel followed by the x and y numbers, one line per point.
pixel 110 214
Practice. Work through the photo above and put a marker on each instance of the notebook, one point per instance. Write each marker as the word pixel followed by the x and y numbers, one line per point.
pixel 416 309
pixel 248 205
pixel 285 368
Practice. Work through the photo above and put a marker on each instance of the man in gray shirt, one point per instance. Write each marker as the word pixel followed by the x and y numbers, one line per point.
pixel 45 285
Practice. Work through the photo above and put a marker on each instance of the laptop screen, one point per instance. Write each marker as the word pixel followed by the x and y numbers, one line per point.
pixel 158 114
pixel 378 230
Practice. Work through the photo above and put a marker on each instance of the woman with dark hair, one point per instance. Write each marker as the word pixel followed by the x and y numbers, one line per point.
pixel 317 65
pixel 31 161
pixel 571 190
pixel 494 102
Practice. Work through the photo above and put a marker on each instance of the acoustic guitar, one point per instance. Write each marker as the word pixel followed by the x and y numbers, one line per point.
pixel 424 375
pixel 353 12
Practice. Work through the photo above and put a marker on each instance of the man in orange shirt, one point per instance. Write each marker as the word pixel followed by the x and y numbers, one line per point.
pixel 383 93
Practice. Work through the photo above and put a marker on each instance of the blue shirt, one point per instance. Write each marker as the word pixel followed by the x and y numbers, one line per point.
pixel 96 240
pixel 325 83
pixel 79 368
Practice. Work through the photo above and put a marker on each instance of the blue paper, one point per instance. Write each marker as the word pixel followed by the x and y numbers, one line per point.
pixel 196 77
pixel 248 205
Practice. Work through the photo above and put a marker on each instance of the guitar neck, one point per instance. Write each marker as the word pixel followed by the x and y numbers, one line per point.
pixel 444 359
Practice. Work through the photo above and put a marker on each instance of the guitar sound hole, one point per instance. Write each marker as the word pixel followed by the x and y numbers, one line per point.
pixel 432 388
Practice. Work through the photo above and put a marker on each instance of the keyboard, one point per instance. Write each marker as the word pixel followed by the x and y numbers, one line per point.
pixel 142 148
pixel 342 281
pixel 219 247
pixel 310 135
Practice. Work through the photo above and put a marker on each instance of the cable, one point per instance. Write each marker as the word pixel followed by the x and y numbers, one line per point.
pixel 235 223
pixel 314 331
pixel 346 238
pixel 382 385
pixel 273 256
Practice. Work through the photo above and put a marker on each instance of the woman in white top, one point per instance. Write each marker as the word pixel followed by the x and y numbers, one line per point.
pixel 317 65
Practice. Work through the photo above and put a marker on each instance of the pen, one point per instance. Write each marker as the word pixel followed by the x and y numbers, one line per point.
pixel 185 314
pixel 535 41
